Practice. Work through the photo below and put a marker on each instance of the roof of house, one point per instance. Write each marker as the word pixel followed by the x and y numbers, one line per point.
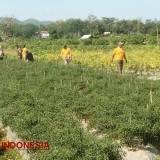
pixel 46 32
pixel 86 36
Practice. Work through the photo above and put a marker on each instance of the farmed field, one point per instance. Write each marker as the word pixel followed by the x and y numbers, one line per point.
pixel 83 110
pixel 80 80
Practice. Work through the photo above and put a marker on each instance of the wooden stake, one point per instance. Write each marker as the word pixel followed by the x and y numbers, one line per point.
pixel 70 84
pixel 130 119
pixel 26 75
pixel 147 107
pixel 151 96
pixel 81 77
pixel 129 85
pixel 61 82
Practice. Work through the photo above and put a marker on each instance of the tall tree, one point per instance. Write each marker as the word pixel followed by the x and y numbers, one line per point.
pixel 29 30
pixel 56 29
pixel 6 27
pixel 150 27
pixel 108 23
pixel 73 27
pixel 90 23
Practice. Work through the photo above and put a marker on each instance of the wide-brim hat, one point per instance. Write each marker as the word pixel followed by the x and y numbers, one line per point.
pixel 120 43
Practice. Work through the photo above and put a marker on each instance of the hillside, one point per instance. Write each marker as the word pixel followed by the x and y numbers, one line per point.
pixel 33 21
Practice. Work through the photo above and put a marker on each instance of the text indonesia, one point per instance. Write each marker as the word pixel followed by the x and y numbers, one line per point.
pixel 25 145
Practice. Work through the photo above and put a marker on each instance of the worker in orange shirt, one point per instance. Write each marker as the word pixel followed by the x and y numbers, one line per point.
pixel 119 55
pixel 24 53
pixel 66 54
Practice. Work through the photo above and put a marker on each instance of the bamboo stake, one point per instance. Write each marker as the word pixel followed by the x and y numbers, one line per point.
pixel 61 82
pixel 26 75
pixel 55 89
pixel 147 107
pixel 92 83
pixel 87 81
pixel 129 85
pixel 81 77
pixel 151 96
pixel 130 119
pixel 70 84
pixel 7 63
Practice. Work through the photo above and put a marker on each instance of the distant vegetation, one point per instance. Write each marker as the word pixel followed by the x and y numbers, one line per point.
pixel 75 28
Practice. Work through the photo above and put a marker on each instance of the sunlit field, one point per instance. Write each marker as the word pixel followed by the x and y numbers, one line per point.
pixel 143 58
pixel 47 101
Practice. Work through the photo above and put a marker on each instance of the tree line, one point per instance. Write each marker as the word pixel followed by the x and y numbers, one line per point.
pixel 75 28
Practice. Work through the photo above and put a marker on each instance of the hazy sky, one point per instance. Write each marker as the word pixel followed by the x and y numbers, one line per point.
pixel 64 9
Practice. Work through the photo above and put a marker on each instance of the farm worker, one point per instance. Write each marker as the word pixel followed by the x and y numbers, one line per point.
pixel 19 52
pixel 119 55
pixel 24 53
pixel 1 53
pixel 66 54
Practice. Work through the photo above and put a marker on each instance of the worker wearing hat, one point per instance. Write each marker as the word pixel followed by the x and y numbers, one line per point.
pixel 66 54
pixel 119 55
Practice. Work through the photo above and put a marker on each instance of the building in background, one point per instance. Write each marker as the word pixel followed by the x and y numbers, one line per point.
pixel 44 34
pixel 87 36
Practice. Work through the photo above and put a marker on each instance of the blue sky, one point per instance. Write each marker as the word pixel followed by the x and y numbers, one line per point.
pixel 64 9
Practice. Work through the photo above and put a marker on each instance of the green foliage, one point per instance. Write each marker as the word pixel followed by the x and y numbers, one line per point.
pixel 75 28
pixel 45 102
pixel 39 102
pixel 115 39
pixel 6 27
pixel 86 42
pixel 136 39
pixel 100 41
pixel 29 30
pixel 152 40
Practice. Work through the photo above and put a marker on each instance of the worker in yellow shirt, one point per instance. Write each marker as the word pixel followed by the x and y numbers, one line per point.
pixel 119 55
pixel 66 54
pixel 24 53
